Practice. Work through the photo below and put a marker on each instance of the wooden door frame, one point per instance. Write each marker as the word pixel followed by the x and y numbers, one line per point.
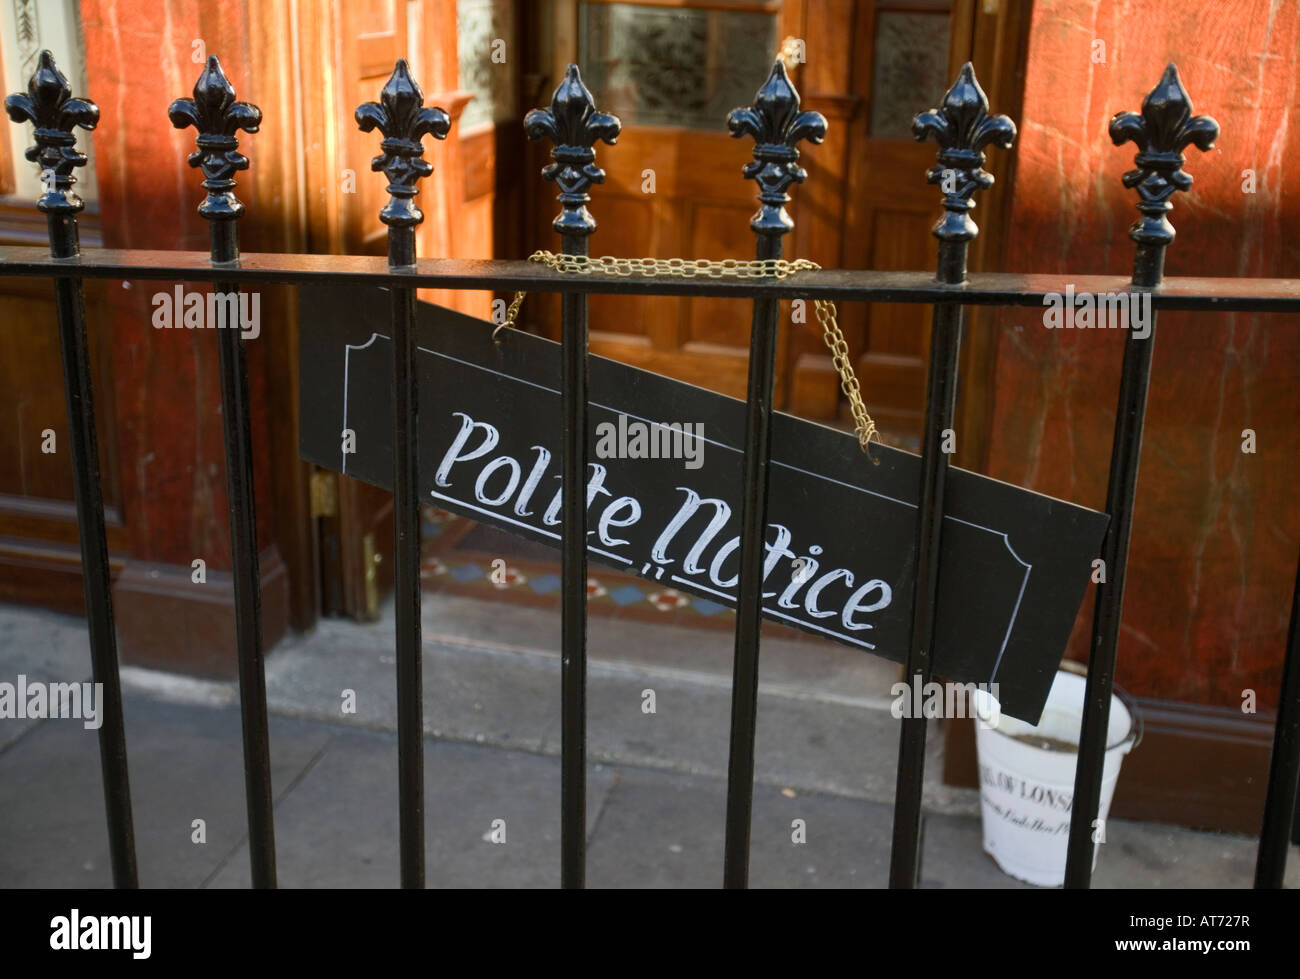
pixel 998 45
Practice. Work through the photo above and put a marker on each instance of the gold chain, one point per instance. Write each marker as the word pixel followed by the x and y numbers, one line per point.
pixel 731 268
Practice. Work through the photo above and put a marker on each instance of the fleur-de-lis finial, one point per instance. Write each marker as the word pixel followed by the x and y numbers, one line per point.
pixel 1163 130
pixel 573 125
pixel 776 125
pixel 963 128
pixel 216 115
pixel 48 103
pixel 401 115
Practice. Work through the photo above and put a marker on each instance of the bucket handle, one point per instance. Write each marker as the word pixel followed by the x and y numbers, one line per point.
pixel 1137 728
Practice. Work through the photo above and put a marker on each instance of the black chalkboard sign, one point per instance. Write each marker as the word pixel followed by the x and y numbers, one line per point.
pixel 664 492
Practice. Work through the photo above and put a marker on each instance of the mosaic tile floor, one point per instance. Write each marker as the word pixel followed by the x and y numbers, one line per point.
pixel 467 558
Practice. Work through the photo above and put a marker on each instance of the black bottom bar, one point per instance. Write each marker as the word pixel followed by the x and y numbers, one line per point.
pixel 248 598
pixel 1284 767
pixel 69 301
pixel 941 398
pixel 573 570
pixel 1121 492
pixel 749 602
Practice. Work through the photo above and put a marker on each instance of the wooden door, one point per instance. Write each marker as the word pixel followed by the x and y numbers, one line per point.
pixel 350 50
pixel 672 69
pixel 40 556
pixel 673 187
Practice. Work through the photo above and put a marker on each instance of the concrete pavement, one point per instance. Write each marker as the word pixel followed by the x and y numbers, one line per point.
pixel 656 789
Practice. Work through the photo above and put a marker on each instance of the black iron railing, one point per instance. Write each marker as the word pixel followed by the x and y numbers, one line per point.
pixel 963 129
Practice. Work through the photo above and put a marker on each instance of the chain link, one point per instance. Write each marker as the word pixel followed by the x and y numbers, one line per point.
pixel 731 268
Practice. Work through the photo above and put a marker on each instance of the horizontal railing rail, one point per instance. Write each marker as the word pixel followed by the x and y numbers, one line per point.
pixel 504 275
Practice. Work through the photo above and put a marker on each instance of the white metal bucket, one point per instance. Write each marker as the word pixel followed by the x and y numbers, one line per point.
pixel 1027 778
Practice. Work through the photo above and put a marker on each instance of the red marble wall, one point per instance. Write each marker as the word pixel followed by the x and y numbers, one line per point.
pixel 1217 531
pixel 139 57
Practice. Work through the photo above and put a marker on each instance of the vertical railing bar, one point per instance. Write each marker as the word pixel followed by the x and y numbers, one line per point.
pixel 749 601
pixel 1161 132
pixel 248 592
pixel 963 128
pixel 1284 765
pixel 406 552
pixel 215 113
pixel 402 118
pixel 573 125
pixel 941 398
pixel 49 105
pixel 1121 493
pixel 69 299
pixel 573 571
pixel 776 126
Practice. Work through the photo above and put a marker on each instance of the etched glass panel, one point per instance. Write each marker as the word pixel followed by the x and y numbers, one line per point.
pixel 911 68
pixel 26 28
pixel 666 66
pixel 484 31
